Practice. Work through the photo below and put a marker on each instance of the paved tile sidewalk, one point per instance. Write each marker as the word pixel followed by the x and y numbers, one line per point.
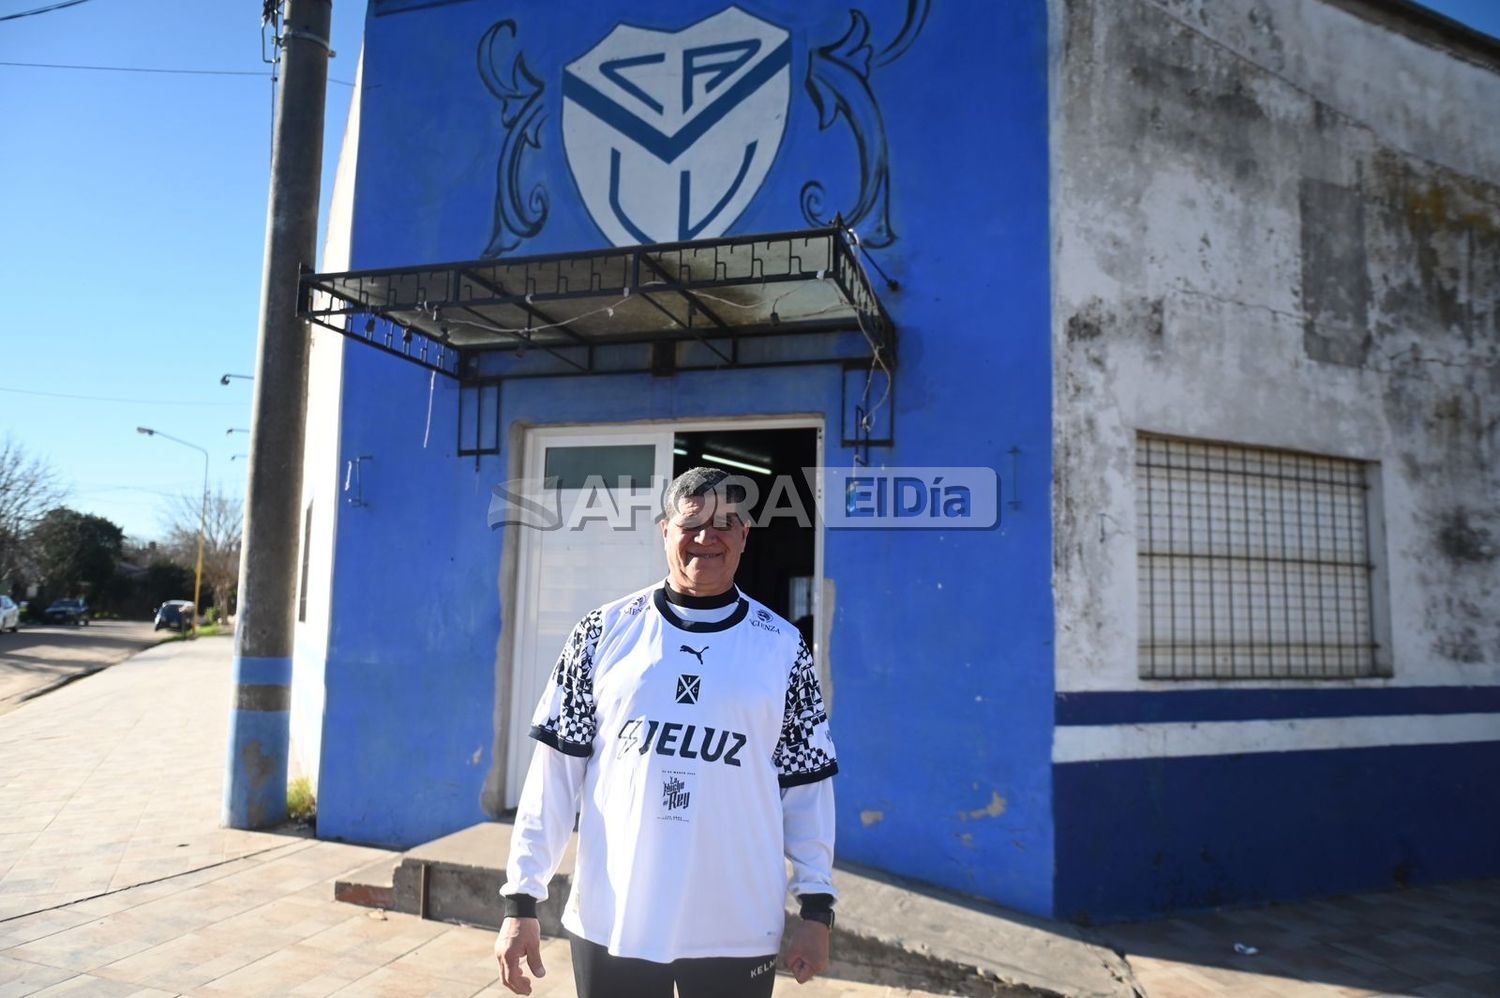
pixel 115 878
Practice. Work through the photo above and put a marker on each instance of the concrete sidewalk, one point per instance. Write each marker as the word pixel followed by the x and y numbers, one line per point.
pixel 116 879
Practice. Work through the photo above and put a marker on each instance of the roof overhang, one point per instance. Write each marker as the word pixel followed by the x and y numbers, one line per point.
pixel 756 300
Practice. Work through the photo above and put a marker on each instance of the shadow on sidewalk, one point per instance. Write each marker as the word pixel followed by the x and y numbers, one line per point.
pixel 1439 939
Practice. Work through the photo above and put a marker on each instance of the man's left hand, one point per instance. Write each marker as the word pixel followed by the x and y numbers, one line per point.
pixel 807 956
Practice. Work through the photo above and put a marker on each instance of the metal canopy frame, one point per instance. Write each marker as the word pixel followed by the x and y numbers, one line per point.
pixel 746 301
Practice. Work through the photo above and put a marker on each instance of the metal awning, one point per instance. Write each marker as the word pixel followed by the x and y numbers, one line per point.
pixel 758 300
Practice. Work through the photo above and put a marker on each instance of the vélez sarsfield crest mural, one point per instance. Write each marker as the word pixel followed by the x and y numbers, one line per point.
pixel 670 134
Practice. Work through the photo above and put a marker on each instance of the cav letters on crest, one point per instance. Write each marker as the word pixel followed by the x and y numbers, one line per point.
pixel 670 134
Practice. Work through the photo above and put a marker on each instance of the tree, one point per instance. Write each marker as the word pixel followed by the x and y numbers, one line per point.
pixel 28 488
pixel 149 577
pixel 221 542
pixel 166 580
pixel 75 552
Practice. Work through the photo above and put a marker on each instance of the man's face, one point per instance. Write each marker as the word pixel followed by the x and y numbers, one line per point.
pixel 704 540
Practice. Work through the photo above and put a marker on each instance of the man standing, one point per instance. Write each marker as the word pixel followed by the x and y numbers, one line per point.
pixel 685 726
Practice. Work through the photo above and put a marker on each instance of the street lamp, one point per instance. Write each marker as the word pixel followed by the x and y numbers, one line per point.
pixel 202 518
pixel 224 378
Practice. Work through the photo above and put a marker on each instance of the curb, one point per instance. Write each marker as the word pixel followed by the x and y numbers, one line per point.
pixel 889 933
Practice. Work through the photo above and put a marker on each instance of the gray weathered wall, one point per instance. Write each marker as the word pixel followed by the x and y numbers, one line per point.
pixel 1277 223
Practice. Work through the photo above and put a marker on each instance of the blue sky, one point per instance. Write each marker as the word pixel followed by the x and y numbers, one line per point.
pixel 134 220
pixel 134 227
pixel 1481 14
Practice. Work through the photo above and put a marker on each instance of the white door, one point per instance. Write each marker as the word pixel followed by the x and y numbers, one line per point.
pixel 608 545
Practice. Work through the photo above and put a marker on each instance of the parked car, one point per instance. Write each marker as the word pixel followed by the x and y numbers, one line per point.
pixel 67 611
pixel 10 614
pixel 176 614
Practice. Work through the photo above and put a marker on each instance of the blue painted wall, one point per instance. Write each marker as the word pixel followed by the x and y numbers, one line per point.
pixel 1141 837
pixel 941 646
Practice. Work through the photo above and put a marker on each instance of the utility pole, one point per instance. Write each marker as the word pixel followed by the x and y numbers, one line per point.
pixel 255 788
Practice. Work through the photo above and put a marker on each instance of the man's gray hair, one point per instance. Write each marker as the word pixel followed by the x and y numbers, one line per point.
pixel 701 482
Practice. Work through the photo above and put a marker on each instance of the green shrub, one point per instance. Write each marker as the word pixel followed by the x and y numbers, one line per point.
pixel 301 805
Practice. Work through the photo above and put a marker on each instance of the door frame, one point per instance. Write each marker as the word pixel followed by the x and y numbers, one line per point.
pixel 520 554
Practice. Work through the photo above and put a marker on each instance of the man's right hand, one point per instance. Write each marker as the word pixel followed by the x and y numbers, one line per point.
pixel 519 937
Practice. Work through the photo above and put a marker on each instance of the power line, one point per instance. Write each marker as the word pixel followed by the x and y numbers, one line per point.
pixel 138 69
pixel 42 10
pixel 190 490
pixel 108 398
pixel 153 69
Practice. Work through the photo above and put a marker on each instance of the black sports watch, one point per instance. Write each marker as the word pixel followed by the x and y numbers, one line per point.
pixel 824 915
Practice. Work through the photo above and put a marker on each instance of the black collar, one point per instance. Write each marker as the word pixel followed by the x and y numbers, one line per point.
pixel 700 602
pixel 664 607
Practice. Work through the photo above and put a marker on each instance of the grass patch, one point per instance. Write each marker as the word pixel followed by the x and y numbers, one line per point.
pixel 301 804
pixel 205 631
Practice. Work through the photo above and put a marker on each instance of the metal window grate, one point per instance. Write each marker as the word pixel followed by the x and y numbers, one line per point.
pixel 1251 564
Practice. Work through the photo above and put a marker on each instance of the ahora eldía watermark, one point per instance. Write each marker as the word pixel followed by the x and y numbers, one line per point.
pixel 929 498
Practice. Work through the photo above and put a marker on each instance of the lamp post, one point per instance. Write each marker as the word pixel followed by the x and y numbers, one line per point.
pixel 202 518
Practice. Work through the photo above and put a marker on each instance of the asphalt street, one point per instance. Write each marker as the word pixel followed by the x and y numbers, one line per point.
pixel 39 657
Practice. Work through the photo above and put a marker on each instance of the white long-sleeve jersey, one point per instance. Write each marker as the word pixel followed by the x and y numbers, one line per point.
pixel 697 756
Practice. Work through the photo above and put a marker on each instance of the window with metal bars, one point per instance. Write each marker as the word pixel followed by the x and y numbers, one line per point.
pixel 1252 563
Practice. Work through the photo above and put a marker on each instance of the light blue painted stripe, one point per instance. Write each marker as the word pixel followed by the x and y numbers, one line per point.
pixel 263 671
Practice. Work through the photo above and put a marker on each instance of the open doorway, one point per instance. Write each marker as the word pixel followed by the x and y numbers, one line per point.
pixel 780 563
pixel 561 574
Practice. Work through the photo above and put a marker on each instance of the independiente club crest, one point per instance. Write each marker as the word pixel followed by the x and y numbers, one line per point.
pixel 669 134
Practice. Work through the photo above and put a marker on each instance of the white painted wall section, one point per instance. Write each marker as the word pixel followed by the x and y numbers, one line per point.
pixel 320 471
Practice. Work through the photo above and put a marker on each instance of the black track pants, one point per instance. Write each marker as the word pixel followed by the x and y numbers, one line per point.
pixel 599 975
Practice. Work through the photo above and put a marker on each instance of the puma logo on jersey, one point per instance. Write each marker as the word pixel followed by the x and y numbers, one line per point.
pixel 694 652
pixel 686 741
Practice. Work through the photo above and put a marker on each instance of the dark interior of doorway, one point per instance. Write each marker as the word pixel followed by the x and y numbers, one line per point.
pixel 778 564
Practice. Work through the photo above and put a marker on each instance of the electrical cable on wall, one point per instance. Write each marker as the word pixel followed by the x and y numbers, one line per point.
pixel 867 414
pixel 432 312
pixel 431 386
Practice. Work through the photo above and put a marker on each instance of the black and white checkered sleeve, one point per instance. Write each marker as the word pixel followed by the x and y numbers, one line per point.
pixel 804 753
pixel 565 718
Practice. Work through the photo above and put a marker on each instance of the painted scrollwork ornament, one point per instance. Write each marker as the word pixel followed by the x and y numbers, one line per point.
pixel 519 213
pixel 839 83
